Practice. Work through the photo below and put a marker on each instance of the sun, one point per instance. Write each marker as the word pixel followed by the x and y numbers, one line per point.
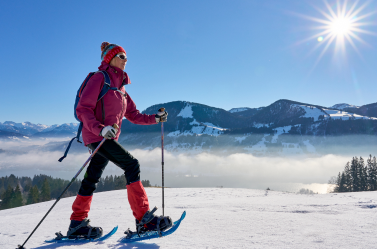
pixel 341 24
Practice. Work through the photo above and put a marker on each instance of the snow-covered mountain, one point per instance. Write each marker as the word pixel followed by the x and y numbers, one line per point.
pixel 343 106
pixel 10 129
pixel 216 218
pixel 284 127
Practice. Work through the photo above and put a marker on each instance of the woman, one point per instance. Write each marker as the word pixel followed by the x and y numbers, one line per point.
pixel 98 118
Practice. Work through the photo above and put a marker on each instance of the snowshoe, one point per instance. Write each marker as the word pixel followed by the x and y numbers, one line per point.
pixel 82 229
pixel 151 222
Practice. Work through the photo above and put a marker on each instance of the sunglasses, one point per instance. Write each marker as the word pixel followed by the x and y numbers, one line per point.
pixel 121 56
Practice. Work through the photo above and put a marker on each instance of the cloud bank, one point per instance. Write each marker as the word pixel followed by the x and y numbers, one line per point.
pixel 201 170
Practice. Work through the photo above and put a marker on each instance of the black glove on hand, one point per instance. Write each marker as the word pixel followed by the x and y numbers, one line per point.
pixel 161 116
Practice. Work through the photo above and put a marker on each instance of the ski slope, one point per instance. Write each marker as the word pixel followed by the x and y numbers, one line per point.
pixel 216 218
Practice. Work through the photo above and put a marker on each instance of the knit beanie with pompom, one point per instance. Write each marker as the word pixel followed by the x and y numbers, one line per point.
pixel 109 51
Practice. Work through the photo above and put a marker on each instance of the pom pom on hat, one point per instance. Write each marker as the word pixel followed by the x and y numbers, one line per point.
pixel 109 51
pixel 104 45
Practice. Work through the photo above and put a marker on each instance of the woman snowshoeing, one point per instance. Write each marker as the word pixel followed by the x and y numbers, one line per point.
pixel 98 119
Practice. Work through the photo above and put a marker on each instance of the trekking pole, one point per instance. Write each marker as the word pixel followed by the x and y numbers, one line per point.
pixel 73 179
pixel 162 163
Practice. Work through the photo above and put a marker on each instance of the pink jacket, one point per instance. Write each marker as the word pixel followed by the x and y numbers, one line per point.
pixel 116 105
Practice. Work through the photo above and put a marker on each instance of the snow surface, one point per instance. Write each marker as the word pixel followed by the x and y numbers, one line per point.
pixel 343 106
pixel 279 131
pixel 216 218
pixel 311 111
pixel 240 139
pixel 309 146
pixel 259 125
pixel 314 112
pixel 259 147
pixel 186 112
pixel 240 109
pixel 335 114
pixel 199 129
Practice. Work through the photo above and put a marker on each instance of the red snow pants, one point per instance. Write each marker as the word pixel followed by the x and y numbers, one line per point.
pixel 112 151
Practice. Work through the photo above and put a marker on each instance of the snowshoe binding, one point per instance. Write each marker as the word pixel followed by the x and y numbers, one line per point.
pixel 150 222
pixel 82 229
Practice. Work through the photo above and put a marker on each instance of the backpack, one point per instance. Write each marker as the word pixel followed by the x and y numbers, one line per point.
pixel 106 87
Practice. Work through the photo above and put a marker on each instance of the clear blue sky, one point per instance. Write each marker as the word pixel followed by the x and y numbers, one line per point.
pixel 239 53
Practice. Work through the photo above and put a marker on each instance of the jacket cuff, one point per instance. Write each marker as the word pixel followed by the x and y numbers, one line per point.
pixel 98 129
pixel 153 119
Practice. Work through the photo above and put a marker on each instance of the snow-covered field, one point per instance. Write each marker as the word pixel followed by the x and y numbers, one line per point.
pixel 216 218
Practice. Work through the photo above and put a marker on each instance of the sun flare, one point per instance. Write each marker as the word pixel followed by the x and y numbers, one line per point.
pixel 341 24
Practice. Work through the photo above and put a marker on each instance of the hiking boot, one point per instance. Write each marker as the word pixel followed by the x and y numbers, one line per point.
pixel 82 229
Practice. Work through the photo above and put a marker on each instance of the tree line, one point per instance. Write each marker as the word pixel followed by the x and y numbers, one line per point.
pixel 357 176
pixel 19 191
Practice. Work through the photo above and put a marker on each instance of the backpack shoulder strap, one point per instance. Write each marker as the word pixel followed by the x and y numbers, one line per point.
pixel 106 86
pixel 70 143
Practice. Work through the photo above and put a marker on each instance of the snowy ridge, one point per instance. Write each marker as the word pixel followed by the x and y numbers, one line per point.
pixel 311 111
pixel 336 114
pixel 199 129
pixel 315 112
pixel 240 109
pixel 26 129
pixel 343 106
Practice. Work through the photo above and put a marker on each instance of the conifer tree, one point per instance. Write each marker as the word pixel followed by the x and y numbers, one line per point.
pixel 372 173
pixel 355 177
pixel 347 175
pixel 17 197
pixel 337 184
pixel 45 191
pixel 363 175
pixel 120 182
pixel 146 183
pixel 33 196
pixel 342 185
pixel 7 200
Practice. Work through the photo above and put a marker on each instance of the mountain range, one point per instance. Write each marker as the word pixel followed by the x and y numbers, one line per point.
pixel 284 127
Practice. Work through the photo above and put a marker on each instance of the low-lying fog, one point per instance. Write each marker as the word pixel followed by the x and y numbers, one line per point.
pixel 182 170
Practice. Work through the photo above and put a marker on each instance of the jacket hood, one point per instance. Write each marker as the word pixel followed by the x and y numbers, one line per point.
pixel 105 67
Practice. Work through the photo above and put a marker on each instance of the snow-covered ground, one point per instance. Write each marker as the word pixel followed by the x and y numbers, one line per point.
pixel 240 109
pixel 216 218
pixel 343 106
pixel 199 129
pixel 335 114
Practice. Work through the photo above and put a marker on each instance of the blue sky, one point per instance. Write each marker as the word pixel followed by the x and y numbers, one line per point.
pixel 224 54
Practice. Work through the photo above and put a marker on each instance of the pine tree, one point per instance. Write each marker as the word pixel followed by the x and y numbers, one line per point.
pixel 342 185
pixel 372 173
pixel 17 198
pixel 347 175
pixel 33 196
pixel 337 184
pixel 146 183
pixel 355 177
pixel 363 175
pixel 120 182
pixel 45 191
pixel 7 200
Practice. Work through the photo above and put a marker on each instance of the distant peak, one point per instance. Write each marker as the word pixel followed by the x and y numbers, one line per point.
pixel 343 106
pixel 239 109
